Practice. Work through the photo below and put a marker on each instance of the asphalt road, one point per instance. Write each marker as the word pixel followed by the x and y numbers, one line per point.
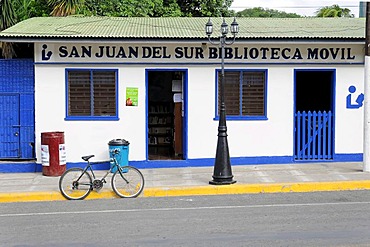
pixel 286 219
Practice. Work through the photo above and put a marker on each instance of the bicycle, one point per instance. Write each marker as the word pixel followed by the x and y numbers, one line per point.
pixel 77 183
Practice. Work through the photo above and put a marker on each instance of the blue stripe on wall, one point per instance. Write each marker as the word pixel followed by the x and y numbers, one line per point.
pixel 18 167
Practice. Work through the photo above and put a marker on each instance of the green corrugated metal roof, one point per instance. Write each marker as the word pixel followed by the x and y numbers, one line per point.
pixel 183 28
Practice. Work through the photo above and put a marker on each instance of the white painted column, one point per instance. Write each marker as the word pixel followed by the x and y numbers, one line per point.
pixel 366 165
pixel 366 151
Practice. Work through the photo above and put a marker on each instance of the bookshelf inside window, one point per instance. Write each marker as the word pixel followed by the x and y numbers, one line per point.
pixel 160 132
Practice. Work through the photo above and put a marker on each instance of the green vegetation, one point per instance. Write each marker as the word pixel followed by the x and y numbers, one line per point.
pixel 265 13
pixel 334 11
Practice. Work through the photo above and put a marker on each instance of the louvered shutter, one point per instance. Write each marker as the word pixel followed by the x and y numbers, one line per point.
pixel 104 93
pixel 253 95
pixel 232 92
pixel 79 93
pixel 91 93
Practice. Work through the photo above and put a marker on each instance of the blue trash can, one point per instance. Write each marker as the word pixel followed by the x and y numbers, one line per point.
pixel 122 146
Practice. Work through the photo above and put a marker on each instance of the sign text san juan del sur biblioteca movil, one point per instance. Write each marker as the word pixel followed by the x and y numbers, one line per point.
pixel 198 52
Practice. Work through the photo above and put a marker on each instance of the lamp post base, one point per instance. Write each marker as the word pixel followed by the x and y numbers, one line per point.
pixel 222 181
pixel 222 174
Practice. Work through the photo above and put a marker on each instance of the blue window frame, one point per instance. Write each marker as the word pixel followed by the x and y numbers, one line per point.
pixel 91 94
pixel 245 94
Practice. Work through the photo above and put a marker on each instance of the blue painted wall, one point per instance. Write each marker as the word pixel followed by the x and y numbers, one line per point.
pixel 17 167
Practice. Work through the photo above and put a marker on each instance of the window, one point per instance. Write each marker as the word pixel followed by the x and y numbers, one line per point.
pixel 92 94
pixel 245 94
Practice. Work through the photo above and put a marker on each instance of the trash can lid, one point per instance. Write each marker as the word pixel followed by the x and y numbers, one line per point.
pixel 118 142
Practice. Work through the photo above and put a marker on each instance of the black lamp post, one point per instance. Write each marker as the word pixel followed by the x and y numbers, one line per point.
pixel 222 173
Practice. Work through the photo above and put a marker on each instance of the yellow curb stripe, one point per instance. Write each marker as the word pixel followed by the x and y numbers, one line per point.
pixel 199 190
pixel 30 196
pixel 258 188
pixel 49 196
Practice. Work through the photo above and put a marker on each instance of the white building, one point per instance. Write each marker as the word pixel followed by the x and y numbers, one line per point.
pixel 294 89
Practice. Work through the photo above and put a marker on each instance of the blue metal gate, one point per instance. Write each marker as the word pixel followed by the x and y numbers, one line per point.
pixel 9 125
pixel 314 135
pixel 17 120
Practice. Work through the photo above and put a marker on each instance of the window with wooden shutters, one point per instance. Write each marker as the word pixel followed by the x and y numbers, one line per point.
pixel 92 93
pixel 245 93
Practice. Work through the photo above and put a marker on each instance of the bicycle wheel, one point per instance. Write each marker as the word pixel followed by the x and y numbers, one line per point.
pixel 74 184
pixel 129 183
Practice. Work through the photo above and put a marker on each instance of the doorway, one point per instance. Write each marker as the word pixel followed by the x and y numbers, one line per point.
pixel 314 115
pixel 166 115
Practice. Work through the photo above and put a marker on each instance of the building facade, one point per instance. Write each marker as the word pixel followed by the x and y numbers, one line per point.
pixel 293 93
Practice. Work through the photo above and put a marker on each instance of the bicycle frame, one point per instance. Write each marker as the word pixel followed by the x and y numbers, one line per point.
pixel 89 167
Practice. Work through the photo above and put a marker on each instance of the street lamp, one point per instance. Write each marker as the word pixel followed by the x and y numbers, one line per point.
pixel 222 169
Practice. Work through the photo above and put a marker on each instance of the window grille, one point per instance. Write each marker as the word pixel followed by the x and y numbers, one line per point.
pixel 244 93
pixel 92 93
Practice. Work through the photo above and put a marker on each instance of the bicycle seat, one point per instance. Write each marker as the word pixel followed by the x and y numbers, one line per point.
pixel 87 157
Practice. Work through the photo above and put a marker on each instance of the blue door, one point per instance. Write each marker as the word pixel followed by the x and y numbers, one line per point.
pixel 17 109
pixel 9 126
pixel 314 114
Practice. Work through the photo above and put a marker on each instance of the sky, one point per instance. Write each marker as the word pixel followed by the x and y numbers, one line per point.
pixel 301 7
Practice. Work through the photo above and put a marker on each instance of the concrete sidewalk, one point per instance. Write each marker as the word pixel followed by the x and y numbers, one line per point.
pixel 305 177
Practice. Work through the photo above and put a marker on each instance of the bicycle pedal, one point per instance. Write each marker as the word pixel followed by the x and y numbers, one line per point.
pixel 104 181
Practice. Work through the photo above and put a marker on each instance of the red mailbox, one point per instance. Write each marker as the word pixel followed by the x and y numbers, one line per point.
pixel 53 153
